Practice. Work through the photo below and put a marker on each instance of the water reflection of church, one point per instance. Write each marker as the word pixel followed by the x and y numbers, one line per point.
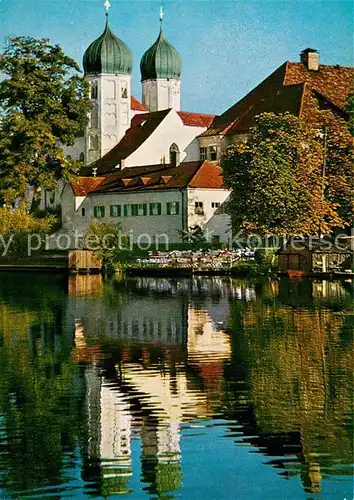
pixel 158 379
pixel 156 329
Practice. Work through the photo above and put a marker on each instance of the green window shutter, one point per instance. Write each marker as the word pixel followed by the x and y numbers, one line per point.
pixel 103 212
pixel 125 210
pixel 159 208
pixel 115 211
pixel 95 211
pixel 168 208
pixel 151 210
pixel 145 209
pixel 119 211
pixel 177 208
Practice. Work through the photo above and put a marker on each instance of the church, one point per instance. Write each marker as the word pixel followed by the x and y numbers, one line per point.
pixel 154 168
pixel 142 160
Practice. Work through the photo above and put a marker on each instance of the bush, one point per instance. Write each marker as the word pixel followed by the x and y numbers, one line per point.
pixel 110 243
pixel 265 258
pixel 18 224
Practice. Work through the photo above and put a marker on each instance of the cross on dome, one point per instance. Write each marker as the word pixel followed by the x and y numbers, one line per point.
pixel 107 5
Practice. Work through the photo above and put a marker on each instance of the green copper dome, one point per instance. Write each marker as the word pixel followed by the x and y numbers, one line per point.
pixel 108 54
pixel 161 61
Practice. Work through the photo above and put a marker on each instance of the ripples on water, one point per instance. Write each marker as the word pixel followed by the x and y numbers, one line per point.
pixel 208 388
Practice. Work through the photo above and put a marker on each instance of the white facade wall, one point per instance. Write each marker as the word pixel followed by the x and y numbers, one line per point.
pixel 77 149
pixel 213 219
pixel 110 116
pixel 78 212
pixel 156 149
pixel 162 93
pixel 137 226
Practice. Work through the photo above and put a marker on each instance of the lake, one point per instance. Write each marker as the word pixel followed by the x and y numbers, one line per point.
pixel 209 388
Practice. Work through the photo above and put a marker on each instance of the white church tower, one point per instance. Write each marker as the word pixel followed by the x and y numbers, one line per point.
pixel 108 65
pixel 161 68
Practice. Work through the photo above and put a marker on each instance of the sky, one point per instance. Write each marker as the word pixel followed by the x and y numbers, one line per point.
pixel 227 46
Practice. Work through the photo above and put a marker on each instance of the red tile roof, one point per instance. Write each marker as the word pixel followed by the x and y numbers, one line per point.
pixel 196 174
pixel 84 185
pixel 333 82
pixel 290 88
pixel 135 105
pixel 196 119
pixel 208 176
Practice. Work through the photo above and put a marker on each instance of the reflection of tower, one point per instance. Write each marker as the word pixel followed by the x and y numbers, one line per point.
pixel 109 430
pixel 311 476
pixel 208 347
pixel 115 446
pixel 161 466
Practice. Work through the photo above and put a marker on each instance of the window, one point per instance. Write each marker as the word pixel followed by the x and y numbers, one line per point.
pixel 94 90
pixel 142 209
pixel 83 212
pixel 172 208
pixel 215 204
pixel 128 210
pixel 82 156
pixel 93 142
pixel 124 93
pixel 99 211
pixel 213 153
pixel 51 196
pixel 155 208
pixel 135 210
pixel 174 155
pixel 203 153
pixel 199 208
pixel 115 211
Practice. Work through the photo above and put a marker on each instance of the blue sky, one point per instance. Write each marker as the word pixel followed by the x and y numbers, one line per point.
pixel 227 46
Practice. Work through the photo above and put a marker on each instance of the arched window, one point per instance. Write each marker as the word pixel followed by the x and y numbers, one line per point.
pixel 82 157
pixel 94 90
pixel 174 155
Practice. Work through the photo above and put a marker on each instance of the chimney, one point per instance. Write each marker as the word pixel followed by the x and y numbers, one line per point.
pixel 310 58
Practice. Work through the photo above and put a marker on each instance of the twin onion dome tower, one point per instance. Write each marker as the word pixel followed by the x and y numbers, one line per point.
pixel 108 63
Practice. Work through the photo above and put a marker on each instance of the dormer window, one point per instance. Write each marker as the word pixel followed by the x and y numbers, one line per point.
pixel 213 153
pixel 203 154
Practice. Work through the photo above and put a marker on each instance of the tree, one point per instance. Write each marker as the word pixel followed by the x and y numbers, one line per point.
pixel 108 242
pixel 290 177
pixel 44 106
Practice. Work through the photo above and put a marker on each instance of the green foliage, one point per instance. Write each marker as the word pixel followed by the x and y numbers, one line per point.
pixel 277 176
pixel 44 106
pixel 13 221
pixel 108 242
pixel 266 259
pixel 18 225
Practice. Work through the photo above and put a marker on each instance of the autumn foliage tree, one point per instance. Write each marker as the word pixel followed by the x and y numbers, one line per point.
pixel 44 105
pixel 290 177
